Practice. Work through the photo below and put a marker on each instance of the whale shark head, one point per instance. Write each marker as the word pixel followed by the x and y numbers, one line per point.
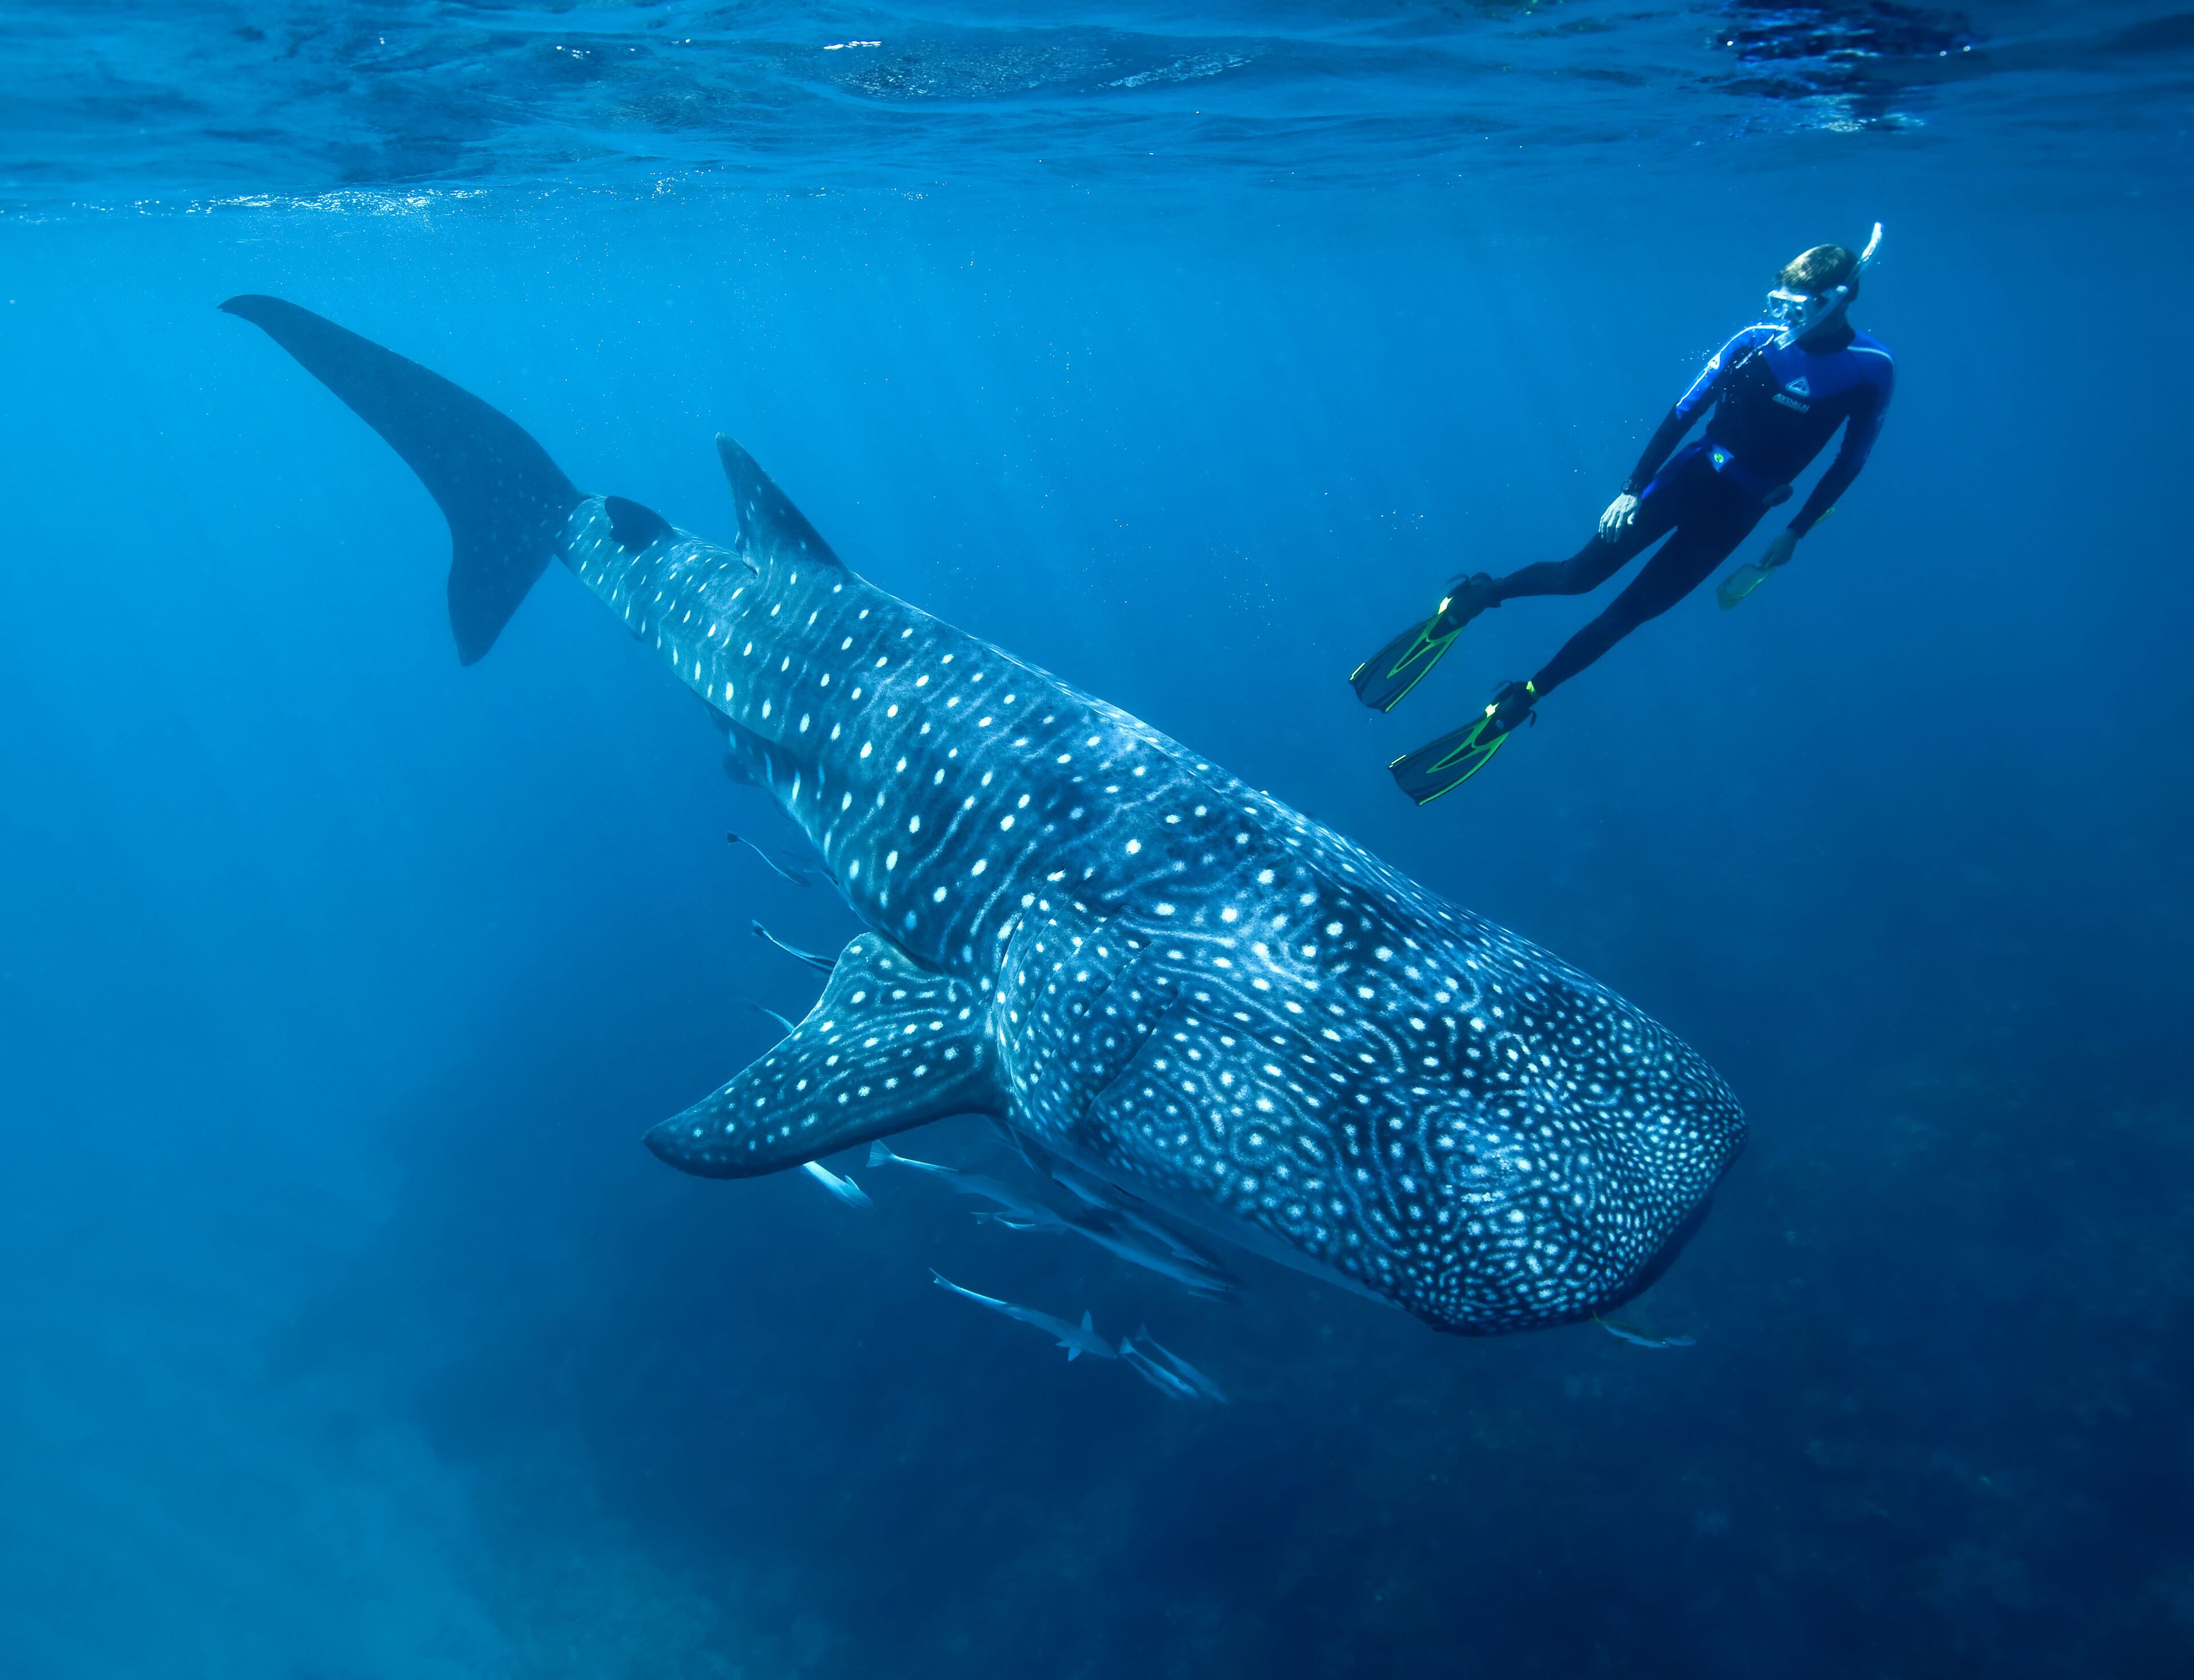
pixel 1398 1093
pixel 1081 929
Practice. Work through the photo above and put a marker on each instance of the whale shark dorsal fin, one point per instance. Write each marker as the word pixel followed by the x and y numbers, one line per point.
pixel 890 1044
pixel 505 500
pixel 769 525
pixel 635 527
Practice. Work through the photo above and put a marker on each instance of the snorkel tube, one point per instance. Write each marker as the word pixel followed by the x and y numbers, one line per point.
pixel 1802 312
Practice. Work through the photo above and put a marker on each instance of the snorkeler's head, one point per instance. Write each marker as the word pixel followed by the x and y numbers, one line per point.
pixel 1816 271
pixel 1816 286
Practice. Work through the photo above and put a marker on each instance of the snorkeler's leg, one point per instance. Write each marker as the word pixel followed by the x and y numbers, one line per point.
pixel 1387 677
pixel 1686 560
pixel 1385 680
pixel 1598 561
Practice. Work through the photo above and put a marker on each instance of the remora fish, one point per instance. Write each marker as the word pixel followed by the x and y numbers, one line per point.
pixel 845 1189
pixel 1158 1376
pixel 1097 1224
pixel 1182 1371
pixel 798 877
pixel 1641 1338
pixel 1081 929
pixel 1076 1338
pixel 1116 1236
pixel 1021 1220
pixel 1095 1192
pixel 1034 1216
pixel 827 964
pixel 786 1021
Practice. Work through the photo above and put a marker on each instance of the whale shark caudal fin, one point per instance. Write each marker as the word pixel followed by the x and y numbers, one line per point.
pixel 889 1045
pixel 505 499
pixel 770 526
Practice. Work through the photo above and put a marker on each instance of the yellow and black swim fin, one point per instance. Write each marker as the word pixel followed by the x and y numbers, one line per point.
pixel 1384 680
pixel 1442 766
pixel 1752 574
pixel 1740 584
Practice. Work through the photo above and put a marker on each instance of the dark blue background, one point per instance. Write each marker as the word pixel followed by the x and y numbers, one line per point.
pixel 345 1329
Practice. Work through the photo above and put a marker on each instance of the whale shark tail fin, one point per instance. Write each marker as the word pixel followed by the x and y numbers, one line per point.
pixel 890 1044
pixel 770 526
pixel 505 500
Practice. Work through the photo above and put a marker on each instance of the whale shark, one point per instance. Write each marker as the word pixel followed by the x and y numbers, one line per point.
pixel 1076 926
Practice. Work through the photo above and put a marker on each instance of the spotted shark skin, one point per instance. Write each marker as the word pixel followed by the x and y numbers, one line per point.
pixel 1081 928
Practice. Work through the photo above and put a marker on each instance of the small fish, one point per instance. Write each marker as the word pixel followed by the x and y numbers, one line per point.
pixel 792 873
pixel 1076 1338
pixel 1100 1224
pixel 1022 1219
pixel 1110 1232
pixel 825 963
pixel 1158 1353
pixel 1021 1214
pixel 759 1008
pixel 1098 1193
pixel 882 1154
pixel 845 1189
pixel 1158 1376
pixel 1640 1339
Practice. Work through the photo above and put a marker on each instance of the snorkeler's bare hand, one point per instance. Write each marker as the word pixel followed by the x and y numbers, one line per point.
pixel 1620 512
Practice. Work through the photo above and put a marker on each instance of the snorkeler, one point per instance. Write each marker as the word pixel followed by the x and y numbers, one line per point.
pixel 1780 389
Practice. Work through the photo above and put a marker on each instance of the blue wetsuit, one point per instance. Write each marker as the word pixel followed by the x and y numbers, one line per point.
pixel 1775 407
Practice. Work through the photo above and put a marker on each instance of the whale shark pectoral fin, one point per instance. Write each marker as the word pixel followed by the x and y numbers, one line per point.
pixel 770 526
pixel 891 1044
pixel 505 500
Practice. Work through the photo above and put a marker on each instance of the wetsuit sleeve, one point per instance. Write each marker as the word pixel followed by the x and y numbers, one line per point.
pixel 1689 406
pixel 1860 431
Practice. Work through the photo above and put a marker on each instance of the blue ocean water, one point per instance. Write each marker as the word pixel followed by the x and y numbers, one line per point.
pixel 345 1329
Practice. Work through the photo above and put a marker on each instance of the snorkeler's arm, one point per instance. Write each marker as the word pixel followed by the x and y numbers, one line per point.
pixel 1860 431
pixel 1692 404
pixel 1658 448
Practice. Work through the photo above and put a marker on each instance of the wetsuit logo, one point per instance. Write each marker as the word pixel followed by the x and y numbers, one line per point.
pixel 1799 387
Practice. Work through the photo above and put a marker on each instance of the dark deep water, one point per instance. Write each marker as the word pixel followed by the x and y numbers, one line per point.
pixel 347 1331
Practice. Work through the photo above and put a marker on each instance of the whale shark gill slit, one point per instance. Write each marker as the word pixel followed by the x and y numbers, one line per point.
pixel 505 500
